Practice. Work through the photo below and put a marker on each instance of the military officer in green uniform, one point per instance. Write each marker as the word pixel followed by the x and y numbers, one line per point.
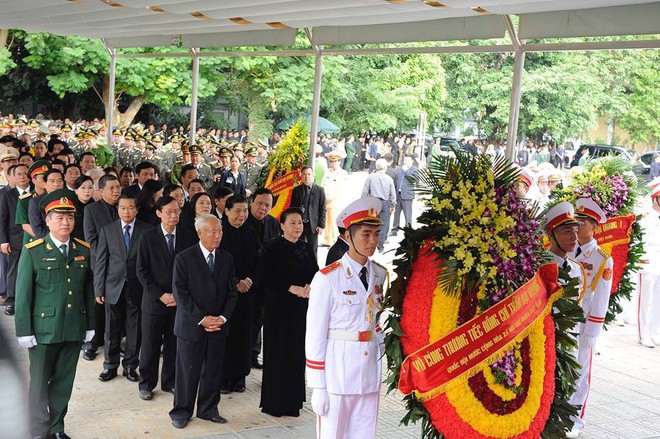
pixel 151 157
pixel 205 171
pixel 252 170
pixel 54 313
pixel 36 173
pixel 129 155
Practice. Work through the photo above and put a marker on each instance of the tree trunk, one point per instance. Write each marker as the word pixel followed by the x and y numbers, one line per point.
pixel 4 36
pixel 258 125
pixel 120 119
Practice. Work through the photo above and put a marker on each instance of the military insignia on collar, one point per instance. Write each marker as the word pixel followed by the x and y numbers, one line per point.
pixel 48 246
pixel 349 293
pixel 73 246
pixel 79 258
pixel 348 271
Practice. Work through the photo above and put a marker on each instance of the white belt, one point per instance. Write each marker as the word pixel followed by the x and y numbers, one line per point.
pixel 339 334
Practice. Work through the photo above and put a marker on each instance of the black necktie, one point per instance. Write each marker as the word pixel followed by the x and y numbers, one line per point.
pixel 210 261
pixel 579 250
pixel 363 277
pixel 565 267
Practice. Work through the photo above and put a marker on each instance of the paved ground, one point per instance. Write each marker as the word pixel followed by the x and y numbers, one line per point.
pixel 624 401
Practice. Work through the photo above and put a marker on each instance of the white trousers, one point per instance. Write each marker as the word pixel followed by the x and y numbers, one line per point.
pixel 349 417
pixel 582 385
pixel 648 307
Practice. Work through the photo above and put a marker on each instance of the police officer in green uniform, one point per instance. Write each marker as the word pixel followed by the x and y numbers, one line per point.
pixel 54 313
pixel 129 155
pixel 104 155
pixel 205 171
pixel 252 170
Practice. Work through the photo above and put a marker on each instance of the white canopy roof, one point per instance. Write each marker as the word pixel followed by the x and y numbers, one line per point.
pixel 218 23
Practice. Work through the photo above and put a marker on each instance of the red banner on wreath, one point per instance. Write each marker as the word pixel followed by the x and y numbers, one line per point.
pixel 614 238
pixel 482 338
pixel 282 188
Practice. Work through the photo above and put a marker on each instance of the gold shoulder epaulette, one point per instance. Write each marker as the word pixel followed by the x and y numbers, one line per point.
pixel 330 268
pixel 34 243
pixel 25 195
pixel 81 242
pixel 603 253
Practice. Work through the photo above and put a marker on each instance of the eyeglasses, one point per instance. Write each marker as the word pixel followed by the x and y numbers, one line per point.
pixel 171 211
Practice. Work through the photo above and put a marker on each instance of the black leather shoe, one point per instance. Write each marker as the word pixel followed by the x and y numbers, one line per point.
pixel 9 309
pixel 225 390
pixel 215 419
pixel 170 390
pixel 131 375
pixel 60 435
pixel 239 387
pixel 146 395
pixel 180 423
pixel 108 374
pixel 89 355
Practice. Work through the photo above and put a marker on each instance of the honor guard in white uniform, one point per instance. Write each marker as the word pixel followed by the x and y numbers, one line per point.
pixel 561 226
pixel 344 343
pixel 597 266
pixel 648 309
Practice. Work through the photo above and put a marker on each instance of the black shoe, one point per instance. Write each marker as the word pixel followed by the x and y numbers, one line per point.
pixel 170 390
pixel 89 354
pixel 131 375
pixel 9 309
pixel 108 374
pixel 60 435
pixel 146 395
pixel 225 390
pixel 180 423
pixel 239 387
pixel 292 413
pixel 215 419
pixel 256 364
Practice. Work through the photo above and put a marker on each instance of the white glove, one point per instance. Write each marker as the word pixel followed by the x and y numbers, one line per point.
pixel 89 335
pixel 320 402
pixel 29 341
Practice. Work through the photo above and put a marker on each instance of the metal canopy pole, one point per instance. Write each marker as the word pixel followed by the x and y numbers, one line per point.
pixel 110 109
pixel 516 89
pixel 316 98
pixel 193 98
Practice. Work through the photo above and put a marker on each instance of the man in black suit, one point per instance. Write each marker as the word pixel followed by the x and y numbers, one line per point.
pixel 11 234
pixel 96 216
pixel 117 287
pixel 143 171
pixel 339 248
pixel 206 294
pixel 310 198
pixel 267 228
pixel 155 262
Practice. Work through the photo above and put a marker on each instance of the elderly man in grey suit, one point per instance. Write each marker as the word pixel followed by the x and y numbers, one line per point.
pixel 405 192
pixel 117 287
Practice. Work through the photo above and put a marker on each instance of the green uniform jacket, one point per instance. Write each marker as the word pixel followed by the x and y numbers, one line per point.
pixel 104 156
pixel 54 296
pixel 22 216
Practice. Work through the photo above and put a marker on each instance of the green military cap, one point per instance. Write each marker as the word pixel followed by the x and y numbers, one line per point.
pixel 196 149
pixel 79 135
pixel 150 146
pixel 147 135
pixel 251 151
pixel 175 139
pixel 20 121
pixel 39 167
pixel 117 132
pixel 185 149
pixel 33 123
pixel 129 136
pixel 225 152
pixel 157 138
pixel 60 200
pixel 238 147
pixel 66 127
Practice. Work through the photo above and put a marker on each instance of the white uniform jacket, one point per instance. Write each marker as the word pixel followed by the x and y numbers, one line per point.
pixel 338 301
pixel 597 265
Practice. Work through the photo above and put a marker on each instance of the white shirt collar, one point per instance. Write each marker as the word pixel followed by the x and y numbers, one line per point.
pixel 165 232
pixel 59 243
pixel 205 252
pixel 132 224
pixel 357 267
